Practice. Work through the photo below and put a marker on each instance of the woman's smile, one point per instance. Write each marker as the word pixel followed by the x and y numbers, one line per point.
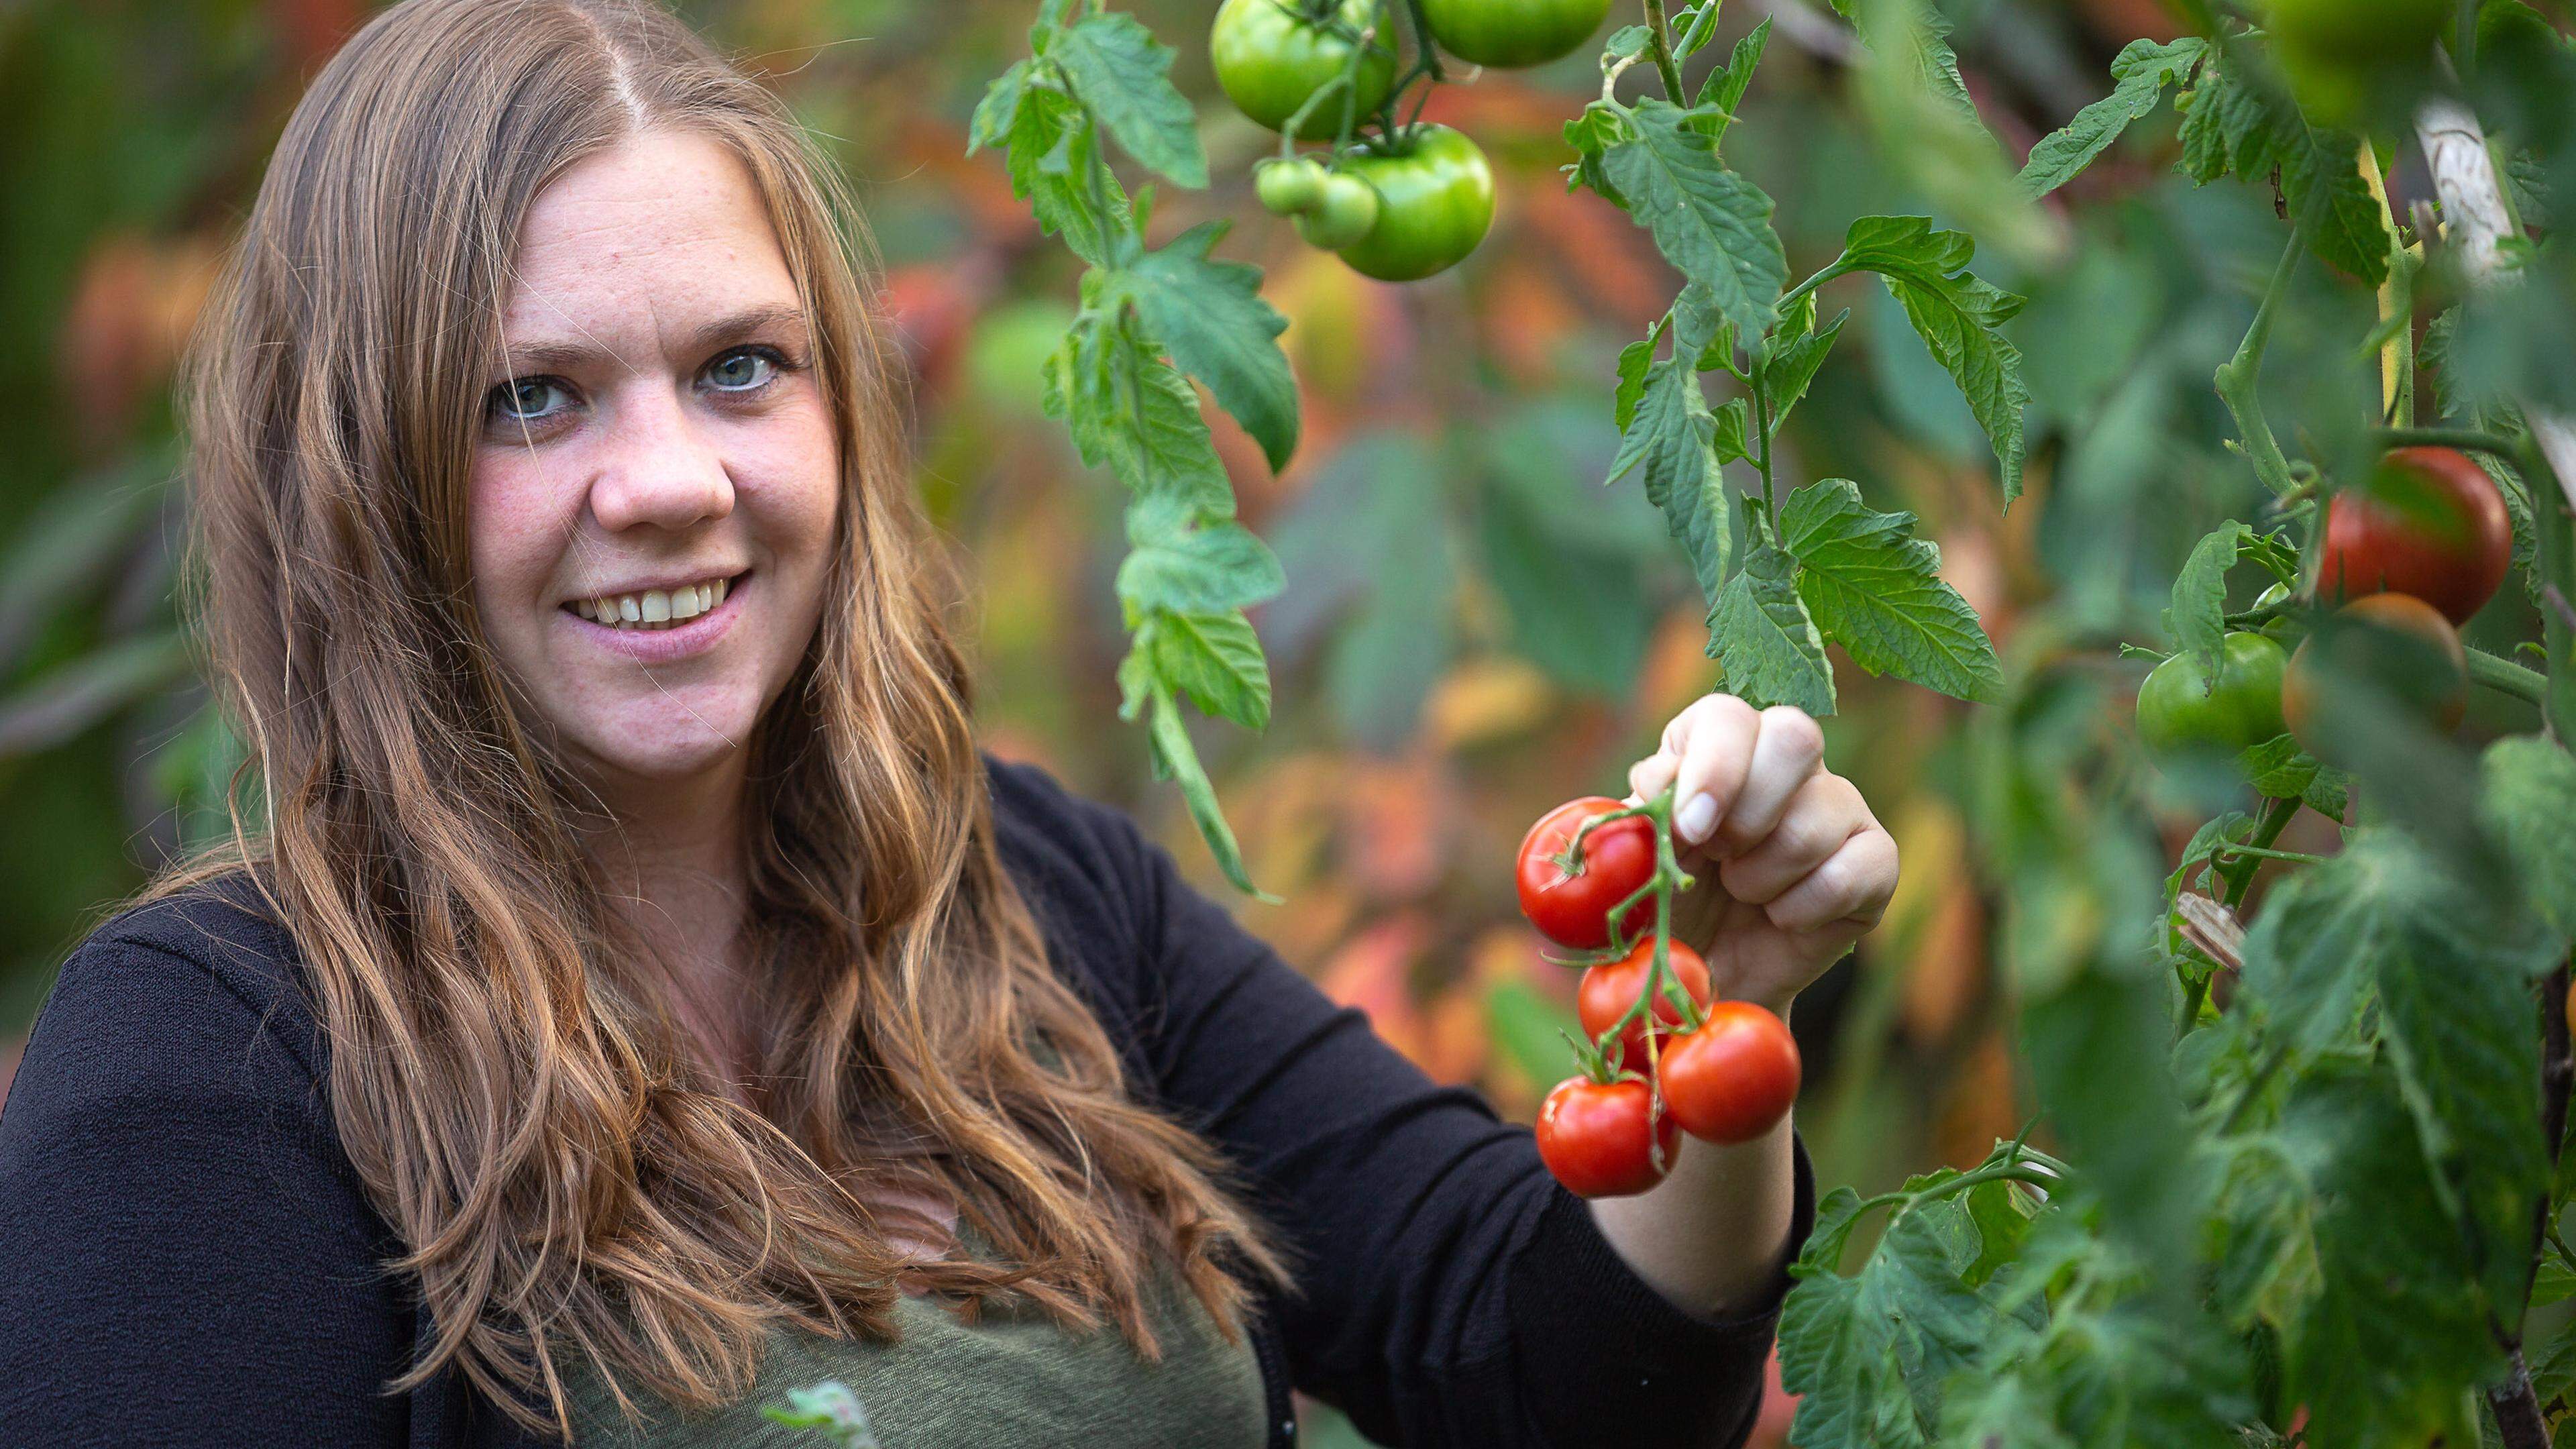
pixel 657 626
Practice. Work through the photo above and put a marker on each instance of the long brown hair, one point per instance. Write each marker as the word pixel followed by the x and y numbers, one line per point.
pixel 504 1070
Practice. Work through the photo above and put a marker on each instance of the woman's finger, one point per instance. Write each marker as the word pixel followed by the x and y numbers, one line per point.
pixel 1825 813
pixel 1787 753
pixel 1716 755
pixel 1851 887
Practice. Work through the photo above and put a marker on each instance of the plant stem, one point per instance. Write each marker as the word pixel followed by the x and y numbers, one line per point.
pixel 2506 677
pixel 2238 379
pixel 2467 440
pixel 1661 50
pixel 1762 436
pixel 2555 558
pixel 2240 876
pixel 2258 852
pixel 1790 297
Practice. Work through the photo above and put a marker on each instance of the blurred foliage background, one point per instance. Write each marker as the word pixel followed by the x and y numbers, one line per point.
pixel 1473 628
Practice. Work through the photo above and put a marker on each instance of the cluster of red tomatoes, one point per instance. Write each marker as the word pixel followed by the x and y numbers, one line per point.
pixel 2409 557
pixel 1406 201
pixel 1727 1072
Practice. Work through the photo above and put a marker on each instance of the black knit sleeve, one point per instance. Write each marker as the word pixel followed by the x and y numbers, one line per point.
pixel 1451 1293
pixel 185 1258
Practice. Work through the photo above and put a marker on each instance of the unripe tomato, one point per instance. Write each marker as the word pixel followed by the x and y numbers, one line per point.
pixel 1343 213
pixel 2181 711
pixel 1288 187
pixel 2384 652
pixel 1509 33
pixel 1271 55
pixel 2431 524
pixel 1734 1078
pixel 1608 991
pixel 1572 907
pixel 1593 1136
pixel 1437 198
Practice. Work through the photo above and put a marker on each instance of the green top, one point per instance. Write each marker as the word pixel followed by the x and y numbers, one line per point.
pixel 1016 1378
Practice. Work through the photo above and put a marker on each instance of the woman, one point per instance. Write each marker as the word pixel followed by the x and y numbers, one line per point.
pixel 642 998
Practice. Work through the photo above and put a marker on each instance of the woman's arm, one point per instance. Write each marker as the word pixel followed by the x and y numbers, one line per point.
pixel 184 1258
pixel 1450 1292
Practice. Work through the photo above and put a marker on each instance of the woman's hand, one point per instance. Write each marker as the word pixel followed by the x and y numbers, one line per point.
pixel 1792 867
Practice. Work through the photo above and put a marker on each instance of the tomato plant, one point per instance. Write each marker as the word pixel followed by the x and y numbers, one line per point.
pixel 1436 200
pixel 2380 654
pixel 2183 708
pixel 1510 33
pixel 1597 1139
pixel 1271 57
pixel 1733 1078
pixel 1569 895
pixel 2429 523
pixel 1610 990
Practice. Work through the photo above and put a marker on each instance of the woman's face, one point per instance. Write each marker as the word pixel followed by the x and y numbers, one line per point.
pixel 654 453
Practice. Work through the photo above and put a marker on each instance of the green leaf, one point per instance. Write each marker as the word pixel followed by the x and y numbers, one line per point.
pixel 1175 759
pixel 1131 410
pixel 1792 365
pixel 2142 72
pixel 1635 361
pixel 1672 438
pixel 1867 1355
pixel 1876 589
pixel 1210 314
pixel 1124 75
pixel 1694 26
pixel 2198 618
pixel 1051 143
pixel 999 110
pixel 1527 1026
pixel 1714 108
pixel 1203 570
pixel 2527 793
pixel 1957 316
pixel 2235 126
pixel 1761 635
pixel 2278 769
pixel 1216 659
pixel 1591 135
pixel 2231 127
pixel 1711 223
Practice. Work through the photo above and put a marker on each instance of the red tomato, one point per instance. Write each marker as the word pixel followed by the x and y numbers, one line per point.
pixel 1593 1136
pixel 1734 1078
pixel 1572 908
pixel 2431 524
pixel 1608 991
pixel 2384 651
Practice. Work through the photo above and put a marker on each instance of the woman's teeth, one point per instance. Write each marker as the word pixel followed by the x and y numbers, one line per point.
pixel 653 608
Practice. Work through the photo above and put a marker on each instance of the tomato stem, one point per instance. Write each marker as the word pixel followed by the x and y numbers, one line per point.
pixel 2467 440
pixel 1662 51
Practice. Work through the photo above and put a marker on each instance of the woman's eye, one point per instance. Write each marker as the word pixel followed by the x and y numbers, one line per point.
pixel 521 399
pixel 743 370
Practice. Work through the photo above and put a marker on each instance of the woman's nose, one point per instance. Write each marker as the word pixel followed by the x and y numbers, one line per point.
pixel 660 467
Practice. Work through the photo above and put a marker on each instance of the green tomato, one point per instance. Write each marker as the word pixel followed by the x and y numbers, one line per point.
pixel 2358 32
pixel 1271 55
pixel 2180 712
pixel 1289 187
pixel 1438 197
pixel 1341 215
pixel 1511 33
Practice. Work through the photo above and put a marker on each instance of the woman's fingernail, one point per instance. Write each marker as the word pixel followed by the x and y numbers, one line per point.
pixel 1697 816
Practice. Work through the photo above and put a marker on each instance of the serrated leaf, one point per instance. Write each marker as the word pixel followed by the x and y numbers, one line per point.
pixel 1876 589
pixel 1694 26
pixel 1867 1355
pixel 1211 316
pixel 2279 770
pixel 1714 108
pixel 1793 364
pixel 1208 569
pixel 1635 361
pixel 1051 141
pixel 1957 316
pixel 1591 135
pixel 1123 74
pixel 999 109
pixel 1712 224
pixel 1216 659
pixel 2349 233
pixel 2142 72
pixel 1671 442
pixel 1133 411
pixel 2527 795
pixel 2232 126
pixel 1762 636
pixel 2198 617
pixel 1142 687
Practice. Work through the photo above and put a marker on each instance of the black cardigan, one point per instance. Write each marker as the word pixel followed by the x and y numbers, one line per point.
pixel 187 1257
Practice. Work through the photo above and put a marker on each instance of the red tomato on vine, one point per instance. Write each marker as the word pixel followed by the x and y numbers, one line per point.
pixel 1594 1137
pixel 1609 990
pixel 2430 524
pixel 1570 899
pixel 1734 1078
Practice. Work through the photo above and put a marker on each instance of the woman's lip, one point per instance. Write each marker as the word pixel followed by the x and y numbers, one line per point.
pixel 663 646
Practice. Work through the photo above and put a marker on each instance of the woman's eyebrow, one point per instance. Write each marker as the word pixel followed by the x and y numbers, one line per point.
pixel 567 355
